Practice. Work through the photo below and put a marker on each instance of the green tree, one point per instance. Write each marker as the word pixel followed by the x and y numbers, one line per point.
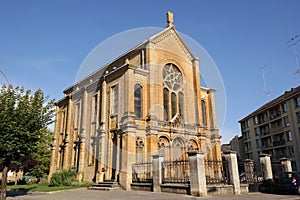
pixel 41 156
pixel 24 118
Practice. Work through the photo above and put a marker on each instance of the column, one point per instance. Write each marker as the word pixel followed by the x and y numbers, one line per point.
pixel 54 147
pixel 197 90
pixel 286 165
pixel 151 143
pixel 103 138
pixel 157 171
pixel 233 171
pixel 128 159
pixel 82 138
pixel 265 161
pixel 67 137
pixel 197 174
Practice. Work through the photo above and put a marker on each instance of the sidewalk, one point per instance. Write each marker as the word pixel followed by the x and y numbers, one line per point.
pixel 84 194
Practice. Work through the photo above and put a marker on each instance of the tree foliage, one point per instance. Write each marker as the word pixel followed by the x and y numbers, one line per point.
pixel 24 118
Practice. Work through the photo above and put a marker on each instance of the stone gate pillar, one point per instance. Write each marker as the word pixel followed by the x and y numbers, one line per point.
pixel 265 161
pixel 157 172
pixel 231 158
pixel 197 174
pixel 286 165
pixel 249 172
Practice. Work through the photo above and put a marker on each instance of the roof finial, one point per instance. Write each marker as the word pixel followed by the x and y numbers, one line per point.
pixel 170 18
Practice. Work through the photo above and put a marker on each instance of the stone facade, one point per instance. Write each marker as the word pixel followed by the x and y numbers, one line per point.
pixel 135 107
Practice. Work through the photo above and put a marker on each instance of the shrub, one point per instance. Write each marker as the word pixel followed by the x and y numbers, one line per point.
pixel 63 178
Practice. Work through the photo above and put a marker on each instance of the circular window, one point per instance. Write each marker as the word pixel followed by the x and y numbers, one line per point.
pixel 172 77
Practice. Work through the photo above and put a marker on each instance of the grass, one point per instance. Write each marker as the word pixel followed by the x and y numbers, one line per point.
pixel 44 188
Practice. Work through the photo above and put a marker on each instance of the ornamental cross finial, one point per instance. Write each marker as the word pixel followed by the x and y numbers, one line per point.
pixel 170 18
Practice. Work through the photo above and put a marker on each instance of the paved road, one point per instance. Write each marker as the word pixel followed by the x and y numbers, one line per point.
pixel 84 194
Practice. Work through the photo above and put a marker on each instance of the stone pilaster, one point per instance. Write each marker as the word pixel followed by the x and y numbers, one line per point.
pixel 197 90
pixel 54 147
pixel 128 151
pixel 82 138
pixel 67 136
pixel 231 158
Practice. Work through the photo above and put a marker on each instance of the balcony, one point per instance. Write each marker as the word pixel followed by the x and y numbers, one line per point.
pixel 276 129
pixel 279 143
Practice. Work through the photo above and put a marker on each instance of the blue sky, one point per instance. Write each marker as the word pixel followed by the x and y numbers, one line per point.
pixel 43 43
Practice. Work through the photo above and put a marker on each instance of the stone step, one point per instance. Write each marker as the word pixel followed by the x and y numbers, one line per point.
pixel 106 186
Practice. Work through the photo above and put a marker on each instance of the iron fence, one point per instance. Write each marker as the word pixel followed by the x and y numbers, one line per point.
pixel 142 172
pixel 217 172
pixel 176 171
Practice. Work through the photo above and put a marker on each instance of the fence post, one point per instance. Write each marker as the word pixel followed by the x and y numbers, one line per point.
pixel 286 165
pixel 197 174
pixel 157 171
pixel 230 156
pixel 265 161
pixel 249 173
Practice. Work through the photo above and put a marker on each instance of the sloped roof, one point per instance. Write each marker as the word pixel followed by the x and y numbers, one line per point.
pixel 153 39
pixel 281 99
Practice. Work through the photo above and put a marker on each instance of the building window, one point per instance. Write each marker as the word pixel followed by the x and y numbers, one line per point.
pixel 290 150
pixel 284 107
pixel 298 116
pixel 286 121
pixel 166 104
pixel 181 104
pixel 297 102
pixel 173 97
pixel 255 120
pixel 115 101
pixel 172 77
pixel 204 121
pixel 256 130
pixel 288 135
pixel 138 101
pixel 173 104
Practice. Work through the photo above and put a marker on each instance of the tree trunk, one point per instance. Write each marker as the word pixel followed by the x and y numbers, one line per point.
pixel 4 183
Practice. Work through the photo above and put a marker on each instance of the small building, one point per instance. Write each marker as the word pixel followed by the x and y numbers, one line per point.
pixel 145 102
pixel 274 129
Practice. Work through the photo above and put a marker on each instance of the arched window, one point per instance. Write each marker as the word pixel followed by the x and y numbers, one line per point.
pixel 138 101
pixel 174 104
pixel 166 104
pixel 204 121
pixel 173 97
pixel 181 104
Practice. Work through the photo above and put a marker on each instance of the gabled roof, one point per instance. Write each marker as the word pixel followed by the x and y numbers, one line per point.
pixel 155 39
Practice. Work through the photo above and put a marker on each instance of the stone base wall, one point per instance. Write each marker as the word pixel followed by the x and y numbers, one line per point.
pixel 142 186
pixel 175 188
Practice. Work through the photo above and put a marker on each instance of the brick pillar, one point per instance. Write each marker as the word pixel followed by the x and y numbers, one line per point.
pixel 197 174
pixel 233 171
pixel 286 165
pixel 157 172
pixel 265 161
pixel 249 166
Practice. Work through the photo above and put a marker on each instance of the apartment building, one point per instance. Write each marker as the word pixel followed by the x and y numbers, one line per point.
pixel 274 129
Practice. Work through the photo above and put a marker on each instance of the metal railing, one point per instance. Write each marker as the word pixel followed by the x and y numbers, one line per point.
pixel 176 171
pixel 142 172
pixel 217 172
